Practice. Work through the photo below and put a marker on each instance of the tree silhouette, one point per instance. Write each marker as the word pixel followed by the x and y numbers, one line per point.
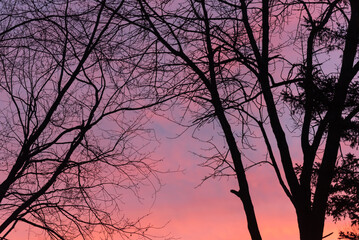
pixel 349 235
pixel 72 72
pixel 344 196
pixel 71 142
pixel 227 62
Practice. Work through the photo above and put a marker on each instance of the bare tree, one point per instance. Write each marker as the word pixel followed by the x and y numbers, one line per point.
pixel 226 61
pixel 71 142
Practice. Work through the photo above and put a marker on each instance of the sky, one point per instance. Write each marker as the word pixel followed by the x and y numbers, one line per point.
pixel 188 210
pixel 210 211
pixel 184 210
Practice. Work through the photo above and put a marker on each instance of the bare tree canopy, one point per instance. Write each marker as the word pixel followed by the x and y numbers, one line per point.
pixel 71 142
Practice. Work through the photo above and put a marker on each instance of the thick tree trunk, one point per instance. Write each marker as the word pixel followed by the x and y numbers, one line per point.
pixel 310 226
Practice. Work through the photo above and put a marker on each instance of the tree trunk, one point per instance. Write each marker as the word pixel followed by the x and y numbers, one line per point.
pixel 243 192
pixel 310 226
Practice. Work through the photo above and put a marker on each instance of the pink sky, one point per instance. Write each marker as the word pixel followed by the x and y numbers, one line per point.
pixel 210 211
